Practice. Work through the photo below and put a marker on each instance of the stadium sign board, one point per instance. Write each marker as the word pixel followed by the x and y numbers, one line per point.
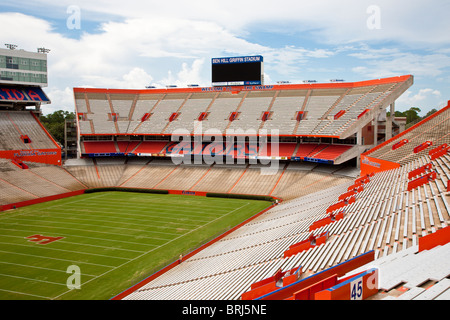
pixel 237 71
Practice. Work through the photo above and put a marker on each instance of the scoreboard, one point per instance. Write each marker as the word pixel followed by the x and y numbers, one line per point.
pixel 238 71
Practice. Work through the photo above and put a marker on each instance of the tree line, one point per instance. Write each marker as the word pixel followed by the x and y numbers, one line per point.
pixel 412 114
pixel 54 123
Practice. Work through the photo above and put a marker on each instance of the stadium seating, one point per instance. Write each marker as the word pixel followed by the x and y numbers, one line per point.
pixel 377 215
pixel 433 129
pixel 284 150
pixel 306 150
pixel 385 218
pixel 37 181
pixel 237 150
pixel 100 147
pixel 282 103
pixel 331 152
pixel 15 125
pixel 148 147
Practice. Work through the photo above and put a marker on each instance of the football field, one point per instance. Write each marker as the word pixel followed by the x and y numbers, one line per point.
pixel 96 245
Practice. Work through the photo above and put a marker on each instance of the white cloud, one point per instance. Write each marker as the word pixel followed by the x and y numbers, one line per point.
pixel 393 62
pixel 136 78
pixel 61 99
pixel 171 42
pixel 191 75
pixel 425 99
pixel 337 22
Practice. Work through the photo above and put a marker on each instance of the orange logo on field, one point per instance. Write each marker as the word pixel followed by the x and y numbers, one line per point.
pixel 43 239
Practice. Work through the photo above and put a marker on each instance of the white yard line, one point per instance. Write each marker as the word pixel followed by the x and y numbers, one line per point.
pixel 66 215
pixel 25 294
pixel 84 230
pixel 146 215
pixel 35 267
pixel 193 230
pixel 51 258
pixel 46 247
pixel 95 225
pixel 5 216
pixel 127 206
pixel 51 282
pixel 85 237
pixel 111 268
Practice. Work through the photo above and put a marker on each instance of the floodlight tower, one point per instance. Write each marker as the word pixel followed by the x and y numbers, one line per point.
pixel 43 50
pixel 11 46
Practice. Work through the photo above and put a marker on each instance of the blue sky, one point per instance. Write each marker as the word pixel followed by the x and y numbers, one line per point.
pixel 132 44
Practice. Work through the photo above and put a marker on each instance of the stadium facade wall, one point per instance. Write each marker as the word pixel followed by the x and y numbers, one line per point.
pixel 47 156
pixel 50 156
pixel 373 165
pixel 440 237
pixel 340 270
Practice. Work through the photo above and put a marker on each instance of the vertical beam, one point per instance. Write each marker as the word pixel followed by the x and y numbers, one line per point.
pixel 359 137
pixel 389 121
pixel 375 130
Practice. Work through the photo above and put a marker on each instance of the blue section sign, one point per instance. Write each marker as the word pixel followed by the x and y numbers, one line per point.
pixel 17 93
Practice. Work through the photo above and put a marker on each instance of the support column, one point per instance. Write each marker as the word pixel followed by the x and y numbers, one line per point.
pixel 375 130
pixel 389 121
pixel 359 143
pixel 359 137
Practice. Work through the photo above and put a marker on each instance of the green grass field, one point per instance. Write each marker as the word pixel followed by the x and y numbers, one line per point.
pixel 116 239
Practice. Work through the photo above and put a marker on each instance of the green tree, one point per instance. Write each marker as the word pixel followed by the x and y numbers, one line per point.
pixel 430 112
pixel 54 123
pixel 412 114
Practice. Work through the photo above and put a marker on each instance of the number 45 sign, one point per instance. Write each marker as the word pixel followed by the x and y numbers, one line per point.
pixel 364 286
pixel 356 289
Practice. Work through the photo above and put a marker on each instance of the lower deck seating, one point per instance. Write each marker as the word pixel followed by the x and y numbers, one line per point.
pixel 332 152
pixel 237 150
pixel 284 150
pixel 384 217
pixel 38 181
pixel 149 147
pixel 99 147
pixel 305 150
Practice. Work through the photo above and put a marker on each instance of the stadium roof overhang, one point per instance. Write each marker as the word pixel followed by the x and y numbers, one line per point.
pixel 238 89
pixel 22 94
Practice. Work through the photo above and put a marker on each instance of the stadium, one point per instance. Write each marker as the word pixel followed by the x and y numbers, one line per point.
pixel 238 191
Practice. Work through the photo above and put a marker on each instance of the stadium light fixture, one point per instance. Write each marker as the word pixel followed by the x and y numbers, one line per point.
pixel 10 46
pixel 43 50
